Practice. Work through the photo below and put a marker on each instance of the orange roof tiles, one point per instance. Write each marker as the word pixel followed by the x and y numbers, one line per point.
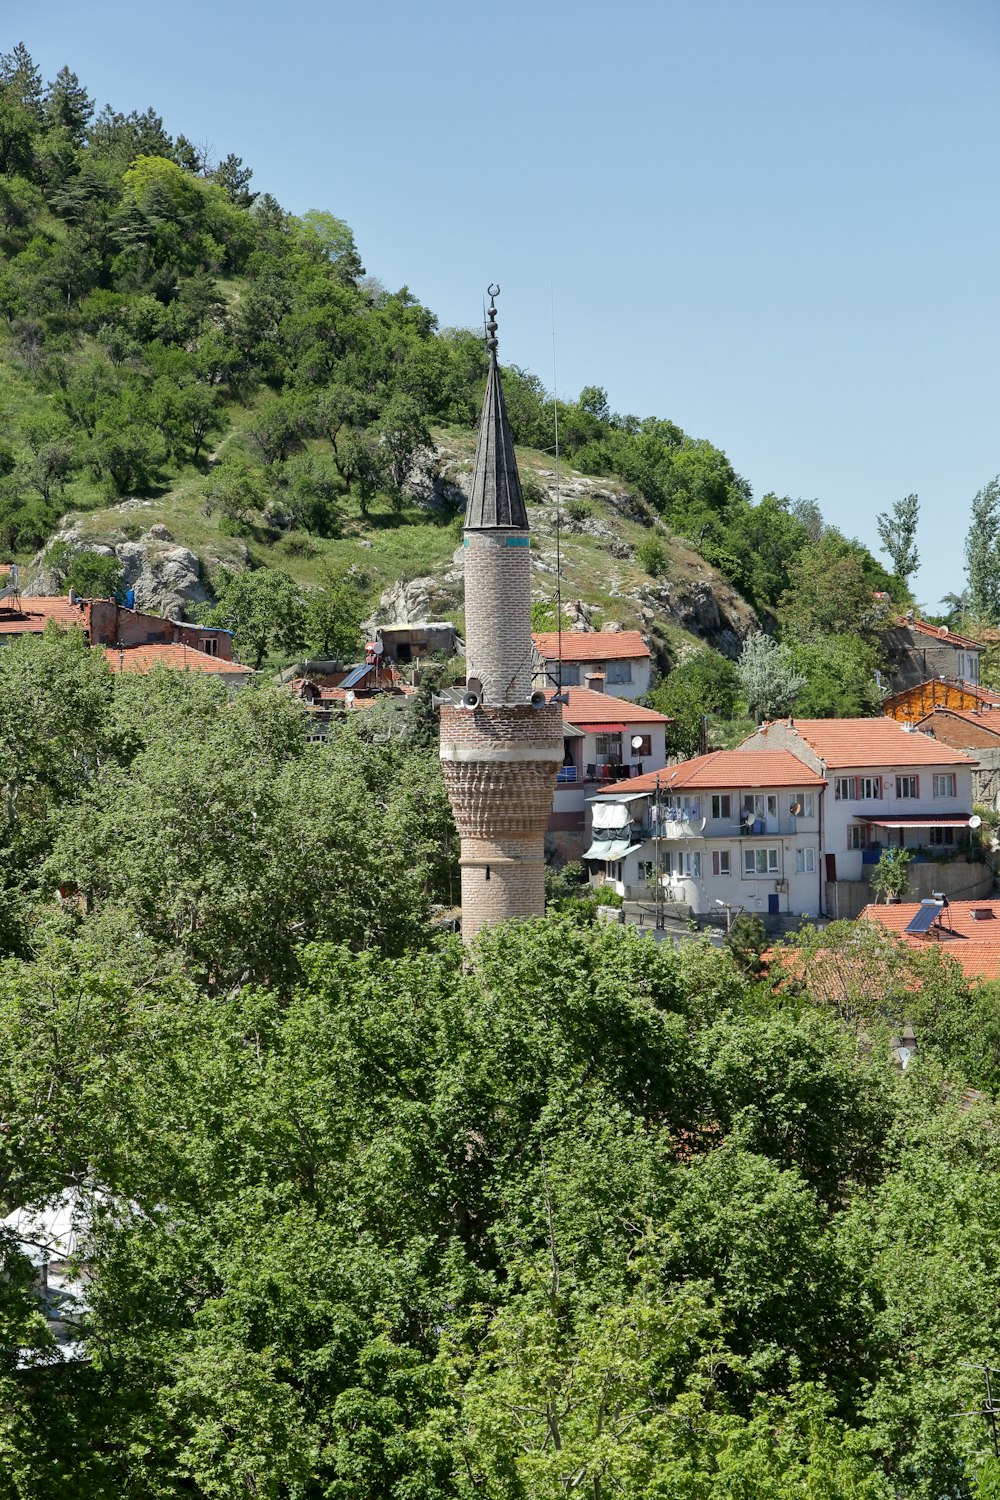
pixel 169 654
pixel 590 645
pixel 730 770
pixel 36 613
pixel 874 742
pixel 941 633
pixel 584 706
pixel 987 717
pixel 973 944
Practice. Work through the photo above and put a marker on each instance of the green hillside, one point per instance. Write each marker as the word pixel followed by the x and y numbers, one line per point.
pixel 177 351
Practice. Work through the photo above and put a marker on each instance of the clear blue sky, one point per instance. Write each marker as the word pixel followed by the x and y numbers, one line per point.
pixel 776 223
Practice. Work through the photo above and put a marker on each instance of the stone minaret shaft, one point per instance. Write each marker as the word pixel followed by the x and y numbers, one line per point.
pixel 500 757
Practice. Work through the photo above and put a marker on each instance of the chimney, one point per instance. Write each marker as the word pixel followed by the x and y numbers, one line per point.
pixel 595 681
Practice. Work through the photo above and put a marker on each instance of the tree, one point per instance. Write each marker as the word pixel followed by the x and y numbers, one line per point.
pixel 333 613
pixel 67 105
pixel 705 684
pixel 891 878
pixel 897 531
pixel 767 677
pixel 265 611
pixel 841 677
pixel 94 575
pixel 982 554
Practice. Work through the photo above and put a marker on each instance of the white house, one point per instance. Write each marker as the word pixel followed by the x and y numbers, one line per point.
pixel 620 657
pixel 890 785
pixel 734 828
pixel 605 743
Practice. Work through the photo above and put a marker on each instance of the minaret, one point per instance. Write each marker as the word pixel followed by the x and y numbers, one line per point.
pixel 501 751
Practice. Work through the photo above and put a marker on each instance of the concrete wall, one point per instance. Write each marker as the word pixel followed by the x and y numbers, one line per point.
pixel 959 882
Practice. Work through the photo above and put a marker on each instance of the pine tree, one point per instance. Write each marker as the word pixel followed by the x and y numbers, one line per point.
pixel 67 105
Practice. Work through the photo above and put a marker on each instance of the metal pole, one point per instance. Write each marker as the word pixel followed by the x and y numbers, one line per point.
pixel 991 1411
pixel 657 872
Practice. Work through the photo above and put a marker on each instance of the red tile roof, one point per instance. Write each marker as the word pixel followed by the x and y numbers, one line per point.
pixel 590 645
pixel 169 654
pixel 987 717
pixel 874 742
pixel 36 613
pixel 584 706
pixel 973 944
pixel 940 633
pixel 729 770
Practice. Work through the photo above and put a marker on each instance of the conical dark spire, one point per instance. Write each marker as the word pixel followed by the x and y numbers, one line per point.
pixel 495 497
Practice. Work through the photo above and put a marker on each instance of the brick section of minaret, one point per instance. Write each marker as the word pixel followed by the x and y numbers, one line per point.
pixel 499 766
pixel 498 647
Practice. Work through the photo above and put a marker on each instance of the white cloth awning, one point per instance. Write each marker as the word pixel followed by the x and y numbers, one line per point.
pixel 611 849
pixel 611 815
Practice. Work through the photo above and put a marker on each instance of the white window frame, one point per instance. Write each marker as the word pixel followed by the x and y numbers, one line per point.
pixel 764 804
pixel 722 805
pixel 845 789
pixel 721 863
pixel 858 836
pixel 945 784
pixel 869 788
pixel 805 861
pixel 805 800
pixel 907 788
pixel 759 855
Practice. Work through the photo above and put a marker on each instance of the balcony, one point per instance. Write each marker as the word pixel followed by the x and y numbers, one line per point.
pixel 567 775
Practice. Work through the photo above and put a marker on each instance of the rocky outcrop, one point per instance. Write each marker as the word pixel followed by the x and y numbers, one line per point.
pixel 707 608
pixel 416 601
pixel 165 577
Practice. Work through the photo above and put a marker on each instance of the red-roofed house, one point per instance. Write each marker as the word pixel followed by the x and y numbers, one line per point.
pixel 889 785
pixel 105 623
pixel 976 730
pixel 605 741
pixel 735 828
pixel 620 657
pixel 919 651
pixel 179 658
pixel 966 931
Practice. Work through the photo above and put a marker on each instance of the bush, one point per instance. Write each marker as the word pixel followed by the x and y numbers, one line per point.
pixel 651 555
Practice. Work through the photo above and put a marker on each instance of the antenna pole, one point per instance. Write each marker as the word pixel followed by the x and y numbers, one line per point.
pixel 657 873
pixel 555 416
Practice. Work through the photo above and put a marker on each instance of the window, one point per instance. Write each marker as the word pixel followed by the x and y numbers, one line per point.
pixel 968 666
pixel 667 864
pixel 210 646
pixel 805 861
pixel 613 869
pixel 845 789
pixel 570 673
pixel 694 865
pixel 764 804
pixel 857 836
pixel 619 671
pixel 941 835
pixel 869 788
pixel 645 869
pixel 609 744
pixel 907 786
pixel 722 807
pixel 945 786
pixel 720 862
pixel 645 748
pixel 804 802
pixel 760 862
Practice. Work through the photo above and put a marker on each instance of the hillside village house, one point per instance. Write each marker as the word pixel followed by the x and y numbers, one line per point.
pixel 977 731
pixel 966 931
pixel 919 651
pixel 734 828
pixel 605 742
pixel 618 659
pixel 133 640
pixel 912 704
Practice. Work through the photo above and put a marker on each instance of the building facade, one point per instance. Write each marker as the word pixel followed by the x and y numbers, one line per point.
pixel 733 829
pixel 620 659
pixel 502 746
pixel 918 651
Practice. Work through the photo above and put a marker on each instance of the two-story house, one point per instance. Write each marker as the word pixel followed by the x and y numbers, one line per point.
pixel 919 651
pixel 605 742
pixel 740 829
pixel 890 785
pixel 620 657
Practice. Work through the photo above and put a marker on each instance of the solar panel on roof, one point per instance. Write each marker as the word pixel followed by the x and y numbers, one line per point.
pixel 355 675
pixel 924 918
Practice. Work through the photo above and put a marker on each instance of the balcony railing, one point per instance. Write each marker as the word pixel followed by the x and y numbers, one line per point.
pixel 567 774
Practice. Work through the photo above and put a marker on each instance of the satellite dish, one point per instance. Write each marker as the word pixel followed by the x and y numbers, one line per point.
pixel 975 821
pixel 796 809
pixel 637 742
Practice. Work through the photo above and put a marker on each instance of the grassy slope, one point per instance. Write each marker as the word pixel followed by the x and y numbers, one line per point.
pixel 384 546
